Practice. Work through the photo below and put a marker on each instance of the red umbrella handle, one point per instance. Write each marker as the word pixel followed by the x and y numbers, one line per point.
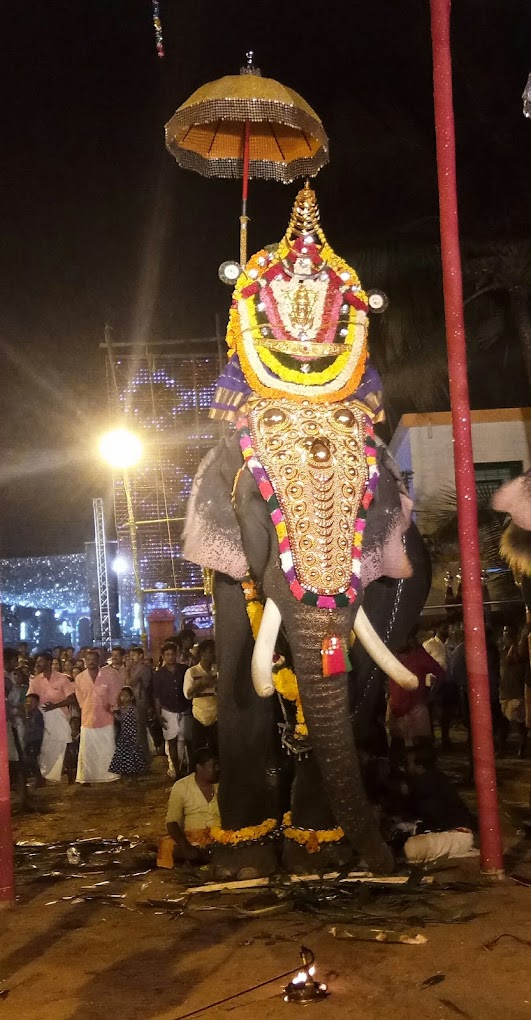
pixel 244 219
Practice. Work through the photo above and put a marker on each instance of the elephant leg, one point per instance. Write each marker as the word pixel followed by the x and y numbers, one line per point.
pixel 248 786
pixel 326 709
pixel 311 813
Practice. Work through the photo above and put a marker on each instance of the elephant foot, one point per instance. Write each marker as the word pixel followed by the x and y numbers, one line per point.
pixel 381 861
pixel 330 857
pixel 243 863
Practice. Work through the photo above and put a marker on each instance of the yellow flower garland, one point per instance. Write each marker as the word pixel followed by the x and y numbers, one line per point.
pixel 284 679
pixel 310 838
pixel 293 375
pixel 246 835
pixel 199 837
pixel 257 264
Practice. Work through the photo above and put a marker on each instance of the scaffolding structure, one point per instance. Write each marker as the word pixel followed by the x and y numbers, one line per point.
pixel 162 391
pixel 101 569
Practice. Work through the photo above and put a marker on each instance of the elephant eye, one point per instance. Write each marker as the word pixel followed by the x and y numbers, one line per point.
pixel 345 417
pixel 273 416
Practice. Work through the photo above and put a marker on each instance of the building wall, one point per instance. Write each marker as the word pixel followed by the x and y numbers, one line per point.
pixel 423 445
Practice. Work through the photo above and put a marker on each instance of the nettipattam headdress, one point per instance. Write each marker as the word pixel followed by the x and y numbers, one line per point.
pixel 298 324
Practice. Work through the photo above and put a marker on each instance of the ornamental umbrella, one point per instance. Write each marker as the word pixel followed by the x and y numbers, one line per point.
pixel 247 126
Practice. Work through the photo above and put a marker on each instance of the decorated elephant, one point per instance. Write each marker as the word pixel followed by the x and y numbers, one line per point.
pixel 514 498
pixel 302 515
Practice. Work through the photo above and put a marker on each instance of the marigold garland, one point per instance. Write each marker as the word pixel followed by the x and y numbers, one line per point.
pixel 285 683
pixel 249 834
pixel 311 839
pixel 275 391
pixel 292 375
pixel 284 679
pixel 261 270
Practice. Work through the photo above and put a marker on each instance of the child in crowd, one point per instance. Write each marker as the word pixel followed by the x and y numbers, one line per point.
pixel 72 749
pixel 33 734
pixel 128 759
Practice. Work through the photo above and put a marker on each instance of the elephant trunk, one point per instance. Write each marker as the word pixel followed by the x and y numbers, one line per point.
pixel 326 709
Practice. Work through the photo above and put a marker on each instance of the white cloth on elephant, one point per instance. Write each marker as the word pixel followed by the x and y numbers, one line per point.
pixel 432 846
pixel 57 734
pixel 96 749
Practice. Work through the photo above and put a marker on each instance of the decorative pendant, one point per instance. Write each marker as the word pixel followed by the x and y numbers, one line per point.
pixel 334 655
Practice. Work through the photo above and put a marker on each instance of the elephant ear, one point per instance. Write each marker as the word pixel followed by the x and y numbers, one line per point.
pixel 211 535
pixel 514 498
pixel 388 519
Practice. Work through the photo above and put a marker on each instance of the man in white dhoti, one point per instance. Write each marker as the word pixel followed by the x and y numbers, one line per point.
pixel 97 693
pixel 56 694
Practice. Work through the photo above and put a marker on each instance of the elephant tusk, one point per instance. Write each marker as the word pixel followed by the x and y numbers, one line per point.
pixel 264 650
pixel 381 655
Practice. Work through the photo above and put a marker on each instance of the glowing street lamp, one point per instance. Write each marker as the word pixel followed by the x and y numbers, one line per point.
pixel 122 449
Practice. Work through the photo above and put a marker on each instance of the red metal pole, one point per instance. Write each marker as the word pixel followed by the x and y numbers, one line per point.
pixel 476 654
pixel 7 873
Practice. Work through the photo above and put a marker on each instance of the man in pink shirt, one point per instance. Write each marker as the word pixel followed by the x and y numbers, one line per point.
pixel 115 674
pixel 97 694
pixel 56 694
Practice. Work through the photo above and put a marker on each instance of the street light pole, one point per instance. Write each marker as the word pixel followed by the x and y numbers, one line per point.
pixel 139 593
pixel 122 449
pixel 475 647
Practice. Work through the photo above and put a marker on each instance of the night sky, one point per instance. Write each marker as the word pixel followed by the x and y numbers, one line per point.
pixel 100 225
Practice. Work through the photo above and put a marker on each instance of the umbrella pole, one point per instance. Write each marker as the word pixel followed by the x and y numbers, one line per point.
pixel 244 219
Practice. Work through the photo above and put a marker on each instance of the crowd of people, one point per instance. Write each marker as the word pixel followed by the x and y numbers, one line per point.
pixel 99 715
pixel 442 696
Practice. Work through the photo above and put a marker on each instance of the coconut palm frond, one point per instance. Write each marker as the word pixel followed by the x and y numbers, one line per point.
pixel 440 527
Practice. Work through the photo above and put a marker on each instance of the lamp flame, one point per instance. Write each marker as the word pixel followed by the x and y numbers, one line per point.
pixel 302 988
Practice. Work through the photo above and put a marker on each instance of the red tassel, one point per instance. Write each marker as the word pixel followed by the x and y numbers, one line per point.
pixel 334 655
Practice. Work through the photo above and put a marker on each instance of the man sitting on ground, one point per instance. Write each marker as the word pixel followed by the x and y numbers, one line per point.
pixel 192 811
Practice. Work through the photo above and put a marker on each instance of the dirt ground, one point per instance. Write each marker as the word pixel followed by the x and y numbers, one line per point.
pixel 64 957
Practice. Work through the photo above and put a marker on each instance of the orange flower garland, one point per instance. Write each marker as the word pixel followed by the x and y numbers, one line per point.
pixel 249 834
pixel 311 839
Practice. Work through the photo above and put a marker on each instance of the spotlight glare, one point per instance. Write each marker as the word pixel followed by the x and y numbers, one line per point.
pixel 120 448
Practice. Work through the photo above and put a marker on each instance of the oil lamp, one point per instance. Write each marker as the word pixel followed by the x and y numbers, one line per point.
pixel 303 988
